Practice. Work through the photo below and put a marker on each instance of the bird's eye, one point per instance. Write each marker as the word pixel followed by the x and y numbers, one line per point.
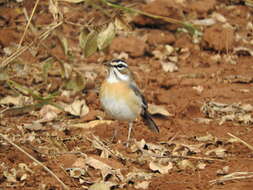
pixel 120 66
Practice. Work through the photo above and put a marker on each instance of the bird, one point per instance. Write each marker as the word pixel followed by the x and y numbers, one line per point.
pixel 122 99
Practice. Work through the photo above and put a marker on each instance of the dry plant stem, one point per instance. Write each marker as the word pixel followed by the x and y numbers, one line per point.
pixel 171 20
pixel 183 157
pixel 233 176
pixel 240 140
pixel 32 158
pixel 191 28
pixel 28 24
pixel 19 51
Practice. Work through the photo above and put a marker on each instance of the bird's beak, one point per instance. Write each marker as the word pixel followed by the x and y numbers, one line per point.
pixel 108 63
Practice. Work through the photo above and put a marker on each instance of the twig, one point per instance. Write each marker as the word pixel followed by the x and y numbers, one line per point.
pixel 240 140
pixel 232 176
pixel 21 50
pixel 28 24
pixel 35 160
pixel 183 157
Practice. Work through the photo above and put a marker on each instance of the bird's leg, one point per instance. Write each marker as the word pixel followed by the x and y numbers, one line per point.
pixel 130 125
pixel 115 132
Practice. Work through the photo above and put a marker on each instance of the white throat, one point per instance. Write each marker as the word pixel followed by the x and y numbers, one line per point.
pixel 116 76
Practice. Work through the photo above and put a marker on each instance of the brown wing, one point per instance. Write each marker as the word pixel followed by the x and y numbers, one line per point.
pixel 145 114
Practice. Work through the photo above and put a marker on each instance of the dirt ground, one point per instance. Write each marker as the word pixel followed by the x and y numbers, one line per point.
pixel 199 88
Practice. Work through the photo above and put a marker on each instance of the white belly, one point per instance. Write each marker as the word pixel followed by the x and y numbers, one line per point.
pixel 118 109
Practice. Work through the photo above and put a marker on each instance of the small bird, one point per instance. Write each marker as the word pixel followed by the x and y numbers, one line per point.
pixel 122 99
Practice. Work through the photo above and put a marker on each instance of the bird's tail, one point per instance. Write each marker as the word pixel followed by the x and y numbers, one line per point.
pixel 149 121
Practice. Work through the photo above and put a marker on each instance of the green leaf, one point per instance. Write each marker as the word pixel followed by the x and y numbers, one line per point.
pixel 23 89
pixel 76 83
pixel 64 43
pixel 3 75
pixel 83 38
pixel 106 36
pixel 91 44
pixel 46 67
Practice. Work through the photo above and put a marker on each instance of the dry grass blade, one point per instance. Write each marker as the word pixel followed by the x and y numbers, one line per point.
pixel 233 176
pixel 35 160
pixel 191 28
pixel 19 51
pixel 28 24
pixel 184 157
pixel 243 142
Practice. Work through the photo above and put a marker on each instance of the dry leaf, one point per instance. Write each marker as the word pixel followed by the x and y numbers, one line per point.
pixel 90 45
pixel 223 171
pixel 97 164
pixel 77 108
pixel 34 126
pixel 91 124
pixel 99 186
pixel 220 152
pixel 219 17
pixel 198 88
pixel 185 164
pixel 10 176
pixel 76 172
pixel 169 67
pixel 228 112
pixel 139 176
pixel 142 185
pixel 160 168
pixel 158 110
pixel 121 25
pixel 201 166
pixel 106 36
pixel 14 100
pixel 48 113
pixel 76 82
pixel 193 148
pixel 169 49
pixel 79 163
pixel 238 79
pixel 83 38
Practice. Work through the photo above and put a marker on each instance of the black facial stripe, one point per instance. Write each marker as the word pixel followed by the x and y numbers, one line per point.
pixel 118 60
pixel 115 74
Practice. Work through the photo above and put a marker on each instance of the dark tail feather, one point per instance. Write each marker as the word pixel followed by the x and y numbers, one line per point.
pixel 149 121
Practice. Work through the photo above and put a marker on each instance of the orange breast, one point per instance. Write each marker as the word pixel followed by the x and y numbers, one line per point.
pixel 120 101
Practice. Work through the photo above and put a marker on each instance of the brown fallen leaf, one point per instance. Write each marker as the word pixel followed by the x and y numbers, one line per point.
pixel 160 168
pixel 220 152
pixel 100 186
pixel 158 110
pixel 169 67
pixel 14 100
pixel 77 108
pixel 48 113
pixel 91 124
pixel 142 185
pixel 97 164
pixel 186 164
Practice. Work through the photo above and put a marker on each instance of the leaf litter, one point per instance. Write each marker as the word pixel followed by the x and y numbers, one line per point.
pixel 236 112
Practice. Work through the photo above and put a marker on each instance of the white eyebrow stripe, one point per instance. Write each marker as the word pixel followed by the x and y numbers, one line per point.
pixel 118 62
